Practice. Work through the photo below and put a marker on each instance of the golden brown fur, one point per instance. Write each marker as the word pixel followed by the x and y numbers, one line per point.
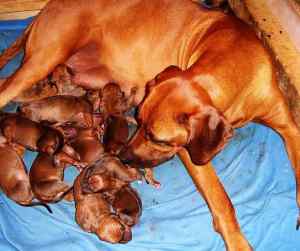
pixel 108 174
pixel 31 135
pixel 87 145
pixel 94 215
pixel 60 110
pixel 14 180
pixel 128 205
pixel 46 179
pixel 225 79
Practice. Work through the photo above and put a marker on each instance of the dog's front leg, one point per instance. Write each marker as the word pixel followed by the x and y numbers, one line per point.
pixel 224 218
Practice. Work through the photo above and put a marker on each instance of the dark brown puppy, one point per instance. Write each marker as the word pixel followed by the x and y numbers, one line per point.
pixel 61 77
pixel 57 83
pixel 43 89
pixel 60 110
pixel 116 134
pixel 128 205
pixel 110 100
pixel 113 100
pixel 108 174
pixel 46 179
pixel 31 135
pixel 82 148
pixel 87 145
pixel 14 181
pixel 68 156
pixel 94 215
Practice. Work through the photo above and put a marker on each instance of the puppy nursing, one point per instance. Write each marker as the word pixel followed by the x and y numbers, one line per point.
pixel 94 214
pixel 46 179
pixel 68 130
pixel 60 110
pixel 199 61
pixel 14 180
pixel 31 135
pixel 105 203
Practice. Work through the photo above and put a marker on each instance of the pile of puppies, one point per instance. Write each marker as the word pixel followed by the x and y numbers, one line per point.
pixel 69 125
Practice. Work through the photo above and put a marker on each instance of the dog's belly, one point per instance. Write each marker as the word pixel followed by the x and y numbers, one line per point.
pixel 133 40
pixel 137 41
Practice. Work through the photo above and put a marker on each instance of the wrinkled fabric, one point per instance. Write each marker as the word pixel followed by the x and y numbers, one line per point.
pixel 254 169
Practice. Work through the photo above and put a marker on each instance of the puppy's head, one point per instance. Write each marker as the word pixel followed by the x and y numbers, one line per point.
pixel 176 113
pixel 51 141
pixel 112 230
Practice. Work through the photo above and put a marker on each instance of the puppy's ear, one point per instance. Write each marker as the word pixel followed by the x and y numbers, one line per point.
pixel 210 131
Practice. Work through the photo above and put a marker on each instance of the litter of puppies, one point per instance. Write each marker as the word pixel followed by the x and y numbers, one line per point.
pixel 66 130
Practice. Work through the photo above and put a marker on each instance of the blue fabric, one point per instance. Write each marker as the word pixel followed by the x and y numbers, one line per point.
pixel 254 169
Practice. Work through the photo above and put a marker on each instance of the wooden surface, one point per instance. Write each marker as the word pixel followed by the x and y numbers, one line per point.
pixel 19 9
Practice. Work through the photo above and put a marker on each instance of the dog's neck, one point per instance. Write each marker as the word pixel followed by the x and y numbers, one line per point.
pixel 199 34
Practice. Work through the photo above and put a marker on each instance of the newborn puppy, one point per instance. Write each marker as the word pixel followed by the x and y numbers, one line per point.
pixel 116 134
pixel 128 205
pixel 94 215
pixel 61 77
pixel 113 100
pixel 43 89
pixel 87 145
pixel 110 100
pixel 60 110
pixel 94 97
pixel 57 83
pixel 31 135
pixel 68 156
pixel 108 174
pixel 14 180
pixel 46 179
pixel 82 148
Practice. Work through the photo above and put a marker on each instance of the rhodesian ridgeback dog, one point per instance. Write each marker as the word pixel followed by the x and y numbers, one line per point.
pixel 222 78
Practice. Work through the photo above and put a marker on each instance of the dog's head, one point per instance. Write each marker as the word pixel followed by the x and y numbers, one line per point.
pixel 176 113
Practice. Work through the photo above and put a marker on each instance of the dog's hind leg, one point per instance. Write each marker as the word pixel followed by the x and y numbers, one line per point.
pixel 32 70
pixel 280 119
pixel 50 42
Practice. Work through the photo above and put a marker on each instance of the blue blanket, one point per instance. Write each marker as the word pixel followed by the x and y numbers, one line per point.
pixel 254 169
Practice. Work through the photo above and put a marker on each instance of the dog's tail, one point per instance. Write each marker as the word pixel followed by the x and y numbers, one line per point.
pixel 10 52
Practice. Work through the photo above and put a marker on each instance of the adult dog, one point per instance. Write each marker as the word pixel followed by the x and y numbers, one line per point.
pixel 221 78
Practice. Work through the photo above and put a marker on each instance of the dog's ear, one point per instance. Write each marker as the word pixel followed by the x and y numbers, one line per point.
pixel 169 72
pixel 210 131
pixel 155 89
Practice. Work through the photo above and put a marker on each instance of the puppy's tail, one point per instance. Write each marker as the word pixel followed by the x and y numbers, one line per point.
pixel 10 52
